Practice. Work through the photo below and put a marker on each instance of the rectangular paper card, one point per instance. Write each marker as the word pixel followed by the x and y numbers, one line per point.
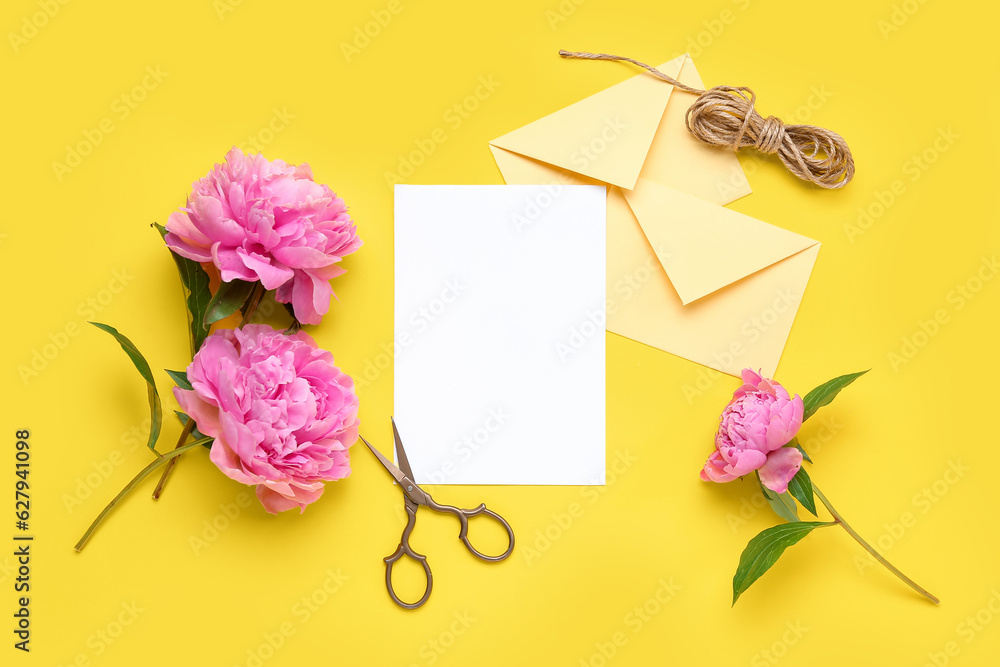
pixel 499 332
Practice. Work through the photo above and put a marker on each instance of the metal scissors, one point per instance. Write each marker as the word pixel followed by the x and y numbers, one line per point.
pixel 414 497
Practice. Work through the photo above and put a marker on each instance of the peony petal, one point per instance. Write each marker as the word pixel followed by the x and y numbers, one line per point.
pixel 185 249
pixel 211 219
pixel 303 257
pixel 328 272
pixel 714 470
pixel 299 496
pixel 274 502
pixel 271 276
pixel 239 439
pixel 798 410
pixel 205 416
pixel 230 263
pixel 781 466
pixel 237 200
pixel 180 224
pixel 186 239
pixel 778 434
pixel 227 461
pixel 203 371
pixel 746 461
pixel 310 297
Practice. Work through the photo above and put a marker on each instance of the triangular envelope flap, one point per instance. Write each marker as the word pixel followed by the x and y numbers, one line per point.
pixel 605 136
pixel 678 160
pixel 519 170
pixel 704 247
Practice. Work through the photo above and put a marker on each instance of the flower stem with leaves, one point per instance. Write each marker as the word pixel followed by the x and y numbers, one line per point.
pixel 764 550
pixel 143 474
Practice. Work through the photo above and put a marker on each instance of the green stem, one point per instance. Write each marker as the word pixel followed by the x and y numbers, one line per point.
pixel 853 533
pixel 185 432
pixel 143 474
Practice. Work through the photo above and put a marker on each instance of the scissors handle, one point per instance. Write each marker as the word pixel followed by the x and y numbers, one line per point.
pixel 463 533
pixel 404 550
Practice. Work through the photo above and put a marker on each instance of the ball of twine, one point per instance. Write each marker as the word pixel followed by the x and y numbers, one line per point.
pixel 726 116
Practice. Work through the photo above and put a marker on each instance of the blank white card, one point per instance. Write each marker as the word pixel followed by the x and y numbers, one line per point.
pixel 499 333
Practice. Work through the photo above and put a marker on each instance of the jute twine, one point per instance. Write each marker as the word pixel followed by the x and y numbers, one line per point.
pixel 725 116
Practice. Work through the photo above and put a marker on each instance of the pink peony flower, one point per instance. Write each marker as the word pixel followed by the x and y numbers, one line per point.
pixel 754 428
pixel 269 222
pixel 282 415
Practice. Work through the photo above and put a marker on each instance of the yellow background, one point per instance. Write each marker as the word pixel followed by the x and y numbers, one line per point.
pixel 893 78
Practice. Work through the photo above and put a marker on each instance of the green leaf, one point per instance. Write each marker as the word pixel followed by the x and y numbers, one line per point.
pixel 180 378
pixel 763 551
pixel 825 393
pixel 195 282
pixel 195 433
pixel 801 487
pixel 782 503
pixel 155 411
pixel 230 297
pixel 794 442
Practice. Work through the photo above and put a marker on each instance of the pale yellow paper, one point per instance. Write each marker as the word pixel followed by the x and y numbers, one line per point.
pixel 738 281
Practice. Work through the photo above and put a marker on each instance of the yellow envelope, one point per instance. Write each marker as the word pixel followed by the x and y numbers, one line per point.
pixel 684 274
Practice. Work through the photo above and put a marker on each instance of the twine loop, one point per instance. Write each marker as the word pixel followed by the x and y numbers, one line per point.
pixel 725 116
pixel 770 136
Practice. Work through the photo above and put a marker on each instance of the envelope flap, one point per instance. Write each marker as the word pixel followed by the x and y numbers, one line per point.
pixel 605 136
pixel 704 247
pixel 518 169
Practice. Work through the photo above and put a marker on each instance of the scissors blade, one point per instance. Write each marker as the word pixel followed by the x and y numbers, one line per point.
pixel 386 463
pixel 404 463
